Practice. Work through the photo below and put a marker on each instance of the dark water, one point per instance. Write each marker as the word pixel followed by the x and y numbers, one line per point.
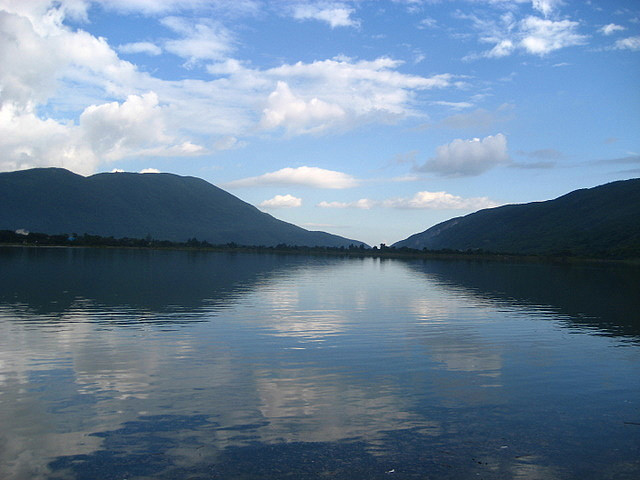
pixel 120 364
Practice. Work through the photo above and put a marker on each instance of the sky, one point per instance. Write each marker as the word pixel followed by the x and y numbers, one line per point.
pixel 372 120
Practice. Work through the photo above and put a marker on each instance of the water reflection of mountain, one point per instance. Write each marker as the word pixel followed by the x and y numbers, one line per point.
pixel 51 281
pixel 600 297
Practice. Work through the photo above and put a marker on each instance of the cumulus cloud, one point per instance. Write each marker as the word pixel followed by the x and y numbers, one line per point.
pixel 611 28
pixel 303 176
pixel 29 62
pixel 140 47
pixel 282 201
pixel 337 93
pixel 462 158
pixel 335 14
pixel 366 90
pixel 297 115
pixel 149 170
pixel 26 141
pixel 629 43
pixel 421 200
pixel 39 56
pixel 47 64
pixel 106 132
pixel 115 130
pixel 39 53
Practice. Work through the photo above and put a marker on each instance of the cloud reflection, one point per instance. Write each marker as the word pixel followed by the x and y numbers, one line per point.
pixel 391 361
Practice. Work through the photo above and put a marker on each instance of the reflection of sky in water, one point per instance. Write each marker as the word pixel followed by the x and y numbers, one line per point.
pixel 377 360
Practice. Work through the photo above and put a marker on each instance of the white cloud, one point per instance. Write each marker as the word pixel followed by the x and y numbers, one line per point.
pixel 150 6
pixel 116 130
pixel 29 62
pixel 149 170
pixel 377 72
pixel 541 36
pixel 611 29
pixel 428 22
pixel 335 14
pixel 296 115
pixel 532 34
pixel 159 7
pixel 42 60
pixel 26 141
pixel 304 176
pixel 228 143
pixel 502 49
pixel 204 40
pixel 421 200
pixel 546 7
pixel 184 149
pixel 106 132
pixel 629 43
pixel 454 105
pixel 140 47
pixel 282 201
pixel 339 92
pixel 440 201
pixel 70 90
pixel 45 62
pixel 468 157
pixel 363 203
pixel 39 54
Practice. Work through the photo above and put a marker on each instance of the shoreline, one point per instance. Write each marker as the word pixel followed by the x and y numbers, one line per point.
pixel 385 253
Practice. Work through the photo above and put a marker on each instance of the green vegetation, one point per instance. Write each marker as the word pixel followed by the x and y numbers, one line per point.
pixel 8 237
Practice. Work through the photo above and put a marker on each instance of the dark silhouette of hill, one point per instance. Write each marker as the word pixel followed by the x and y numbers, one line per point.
pixel 163 206
pixel 599 221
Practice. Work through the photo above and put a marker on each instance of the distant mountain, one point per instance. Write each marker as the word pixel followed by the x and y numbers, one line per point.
pixel 164 206
pixel 603 220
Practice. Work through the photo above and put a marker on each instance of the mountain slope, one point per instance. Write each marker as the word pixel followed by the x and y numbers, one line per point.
pixel 165 206
pixel 603 220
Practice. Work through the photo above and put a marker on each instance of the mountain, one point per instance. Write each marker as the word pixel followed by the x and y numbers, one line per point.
pixel 164 206
pixel 603 220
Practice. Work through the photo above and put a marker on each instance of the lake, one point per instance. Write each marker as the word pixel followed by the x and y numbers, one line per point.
pixel 140 364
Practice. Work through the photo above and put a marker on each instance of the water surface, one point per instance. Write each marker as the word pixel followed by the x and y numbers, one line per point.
pixel 126 364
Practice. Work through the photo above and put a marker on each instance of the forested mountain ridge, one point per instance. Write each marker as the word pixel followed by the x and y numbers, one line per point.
pixel 163 206
pixel 603 220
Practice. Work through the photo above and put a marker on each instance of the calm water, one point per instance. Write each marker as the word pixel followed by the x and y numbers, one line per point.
pixel 120 364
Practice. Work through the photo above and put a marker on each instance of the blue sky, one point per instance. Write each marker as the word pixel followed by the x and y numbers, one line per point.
pixel 368 119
